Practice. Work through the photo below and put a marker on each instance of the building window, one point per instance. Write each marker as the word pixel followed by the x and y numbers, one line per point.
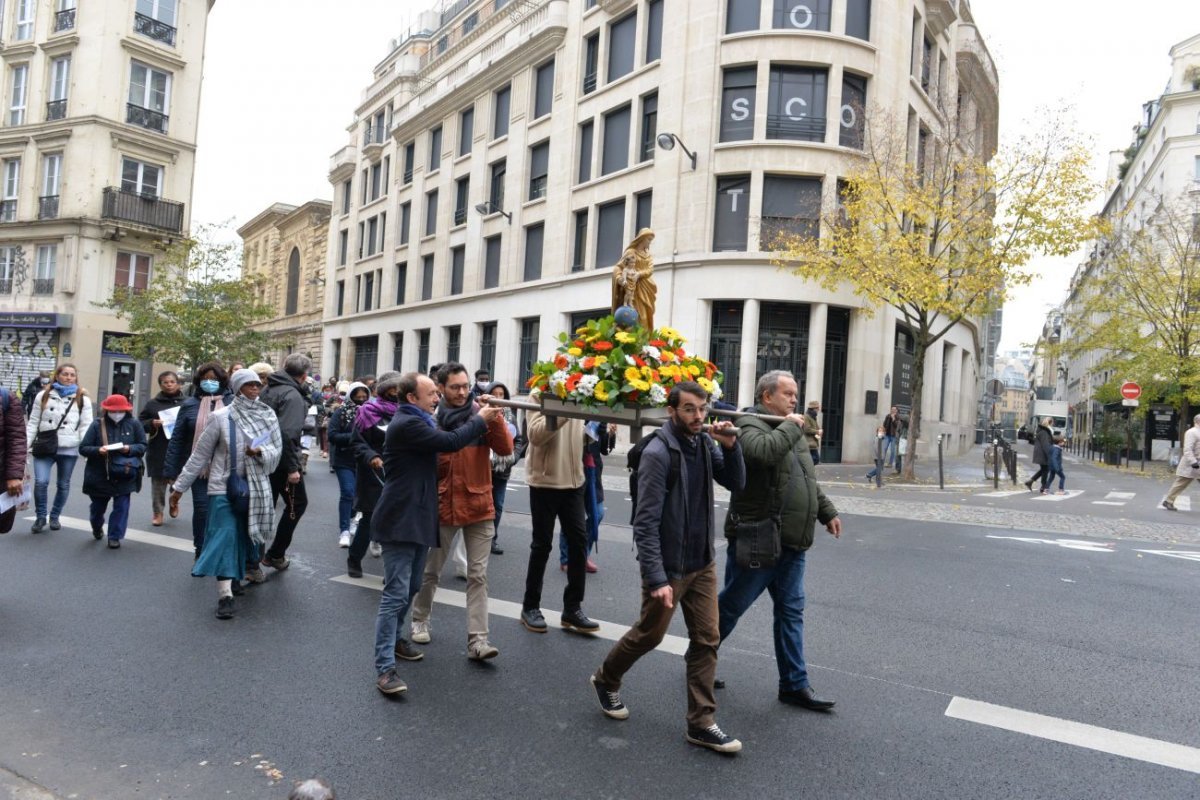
pixel 458 262
pixel 347 188
pixel 539 169
pixel 737 104
pixel 376 181
pixel 423 351
pixel 133 272
pixel 622 44
pixel 405 221
pixel 615 155
pixel 591 62
pixel 149 97
pixel 453 342
pixel 368 291
pixel 579 251
pixel 725 343
pixel 501 112
pixel 431 203
pixel 51 176
pixel 401 281
pixel 742 15
pixel 610 233
pixel 858 19
pixel 340 298
pixel 586 133
pixel 140 177
pixel 60 71
pixel 466 130
pixel 499 172
pixel 487 347
pixel 732 213
pixel 293 282
pixel 8 263
pixel 649 126
pixel 366 354
pixel 527 352
pixel 853 115
pixel 397 351
pixel 18 94
pixel 796 104
pixel 12 186
pixel 372 235
pixel 156 20
pixel 534 236
pixel 357 293
pixel 643 203
pixel 654 26
pixel 435 148
pixel 543 96
pixel 410 161
pixel 811 15
pixel 47 263
pixel 427 277
pixel 25 15
pixel 343 247
pixel 462 193
pixel 926 62
pixel 491 262
pixel 791 206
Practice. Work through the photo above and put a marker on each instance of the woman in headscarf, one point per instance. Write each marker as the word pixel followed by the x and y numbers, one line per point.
pixel 210 392
pixel 341 436
pixel 240 441
pixel 113 446
pixel 64 413
pixel 370 429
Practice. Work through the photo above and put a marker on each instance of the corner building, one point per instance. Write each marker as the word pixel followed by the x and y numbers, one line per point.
pixel 507 151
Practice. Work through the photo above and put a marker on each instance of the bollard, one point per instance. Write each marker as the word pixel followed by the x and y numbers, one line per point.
pixel 996 464
pixel 941 474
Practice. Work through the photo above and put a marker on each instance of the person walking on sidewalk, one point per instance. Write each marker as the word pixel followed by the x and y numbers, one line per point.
pixel 113 446
pixel 286 394
pixel 370 431
pixel 408 511
pixel 893 429
pixel 1056 464
pixel 464 503
pixel 62 414
pixel 1189 464
pixel 1043 445
pixel 341 440
pixel 673 528
pixel 812 434
pixel 13 452
pixel 169 396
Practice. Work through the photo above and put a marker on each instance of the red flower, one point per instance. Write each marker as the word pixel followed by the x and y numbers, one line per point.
pixel 602 347
pixel 560 361
pixel 638 360
pixel 573 381
pixel 658 343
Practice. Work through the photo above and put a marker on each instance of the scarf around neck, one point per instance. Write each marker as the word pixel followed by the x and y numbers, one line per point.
pixel 410 410
pixel 255 420
pixel 374 412
pixel 450 418
pixel 65 391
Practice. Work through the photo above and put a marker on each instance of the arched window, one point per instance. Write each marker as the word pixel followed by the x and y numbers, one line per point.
pixel 293 282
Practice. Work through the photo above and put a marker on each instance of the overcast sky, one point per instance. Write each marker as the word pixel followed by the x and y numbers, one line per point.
pixel 280 89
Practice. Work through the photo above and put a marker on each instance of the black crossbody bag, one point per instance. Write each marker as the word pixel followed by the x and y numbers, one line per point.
pixel 45 443
pixel 759 543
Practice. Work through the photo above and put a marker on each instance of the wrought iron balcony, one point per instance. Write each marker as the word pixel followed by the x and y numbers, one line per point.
pixel 64 20
pixel 6 286
pixel 8 210
pixel 56 109
pixel 460 216
pixel 48 207
pixel 149 26
pixel 589 83
pixel 146 118
pixel 43 285
pixel 537 187
pixel 374 134
pixel 148 210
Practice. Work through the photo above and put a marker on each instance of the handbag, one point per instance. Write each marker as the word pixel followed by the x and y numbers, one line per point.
pixel 237 489
pixel 45 444
pixel 759 543
pixel 122 465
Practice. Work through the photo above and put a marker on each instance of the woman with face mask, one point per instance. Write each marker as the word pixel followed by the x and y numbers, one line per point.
pixel 210 393
pixel 113 446
pixel 169 396
pixel 370 428
pixel 62 412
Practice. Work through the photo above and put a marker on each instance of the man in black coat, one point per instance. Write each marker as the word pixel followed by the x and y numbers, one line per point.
pixel 288 396
pixel 169 396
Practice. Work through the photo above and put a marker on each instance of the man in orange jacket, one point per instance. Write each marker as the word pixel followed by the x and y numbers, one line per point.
pixel 464 503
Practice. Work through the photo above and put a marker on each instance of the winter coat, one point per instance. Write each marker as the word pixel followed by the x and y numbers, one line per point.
pixel 768 450
pixel 554 459
pixel 1190 454
pixel 407 510
pixel 1043 443
pixel 212 453
pixel 179 449
pixel 156 452
pixel 367 445
pixel 117 473
pixel 77 407
pixel 341 432
pixel 31 391
pixel 13 443
pixel 465 477
pixel 290 402
pixel 502 466
pixel 1056 458
pixel 810 431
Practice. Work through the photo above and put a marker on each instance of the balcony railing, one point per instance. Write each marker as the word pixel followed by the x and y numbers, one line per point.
pixel 146 118
pixel 460 216
pixel 56 109
pixel 148 210
pixel 810 129
pixel 537 187
pixel 374 134
pixel 43 285
pixel 48 207
pixel 149 26
pixel 64 20
pixel 589 83
pixel 8 210
pixel 6 285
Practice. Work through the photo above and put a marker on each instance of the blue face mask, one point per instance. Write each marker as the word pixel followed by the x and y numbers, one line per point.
pixel 210 387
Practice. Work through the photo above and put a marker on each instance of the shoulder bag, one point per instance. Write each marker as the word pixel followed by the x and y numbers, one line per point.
pixel 45 444
pixel 237 489
pixel 758 542
pixel 119 466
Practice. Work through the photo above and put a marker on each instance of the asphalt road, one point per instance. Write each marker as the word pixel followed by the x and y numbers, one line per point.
pixel 116 681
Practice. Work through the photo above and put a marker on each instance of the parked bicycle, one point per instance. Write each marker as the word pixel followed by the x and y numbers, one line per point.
pixel 998 451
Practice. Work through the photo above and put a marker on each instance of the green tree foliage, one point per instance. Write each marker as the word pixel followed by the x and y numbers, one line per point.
pixel 196 307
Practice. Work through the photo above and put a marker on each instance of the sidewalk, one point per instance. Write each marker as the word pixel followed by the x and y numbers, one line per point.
pixel 14 787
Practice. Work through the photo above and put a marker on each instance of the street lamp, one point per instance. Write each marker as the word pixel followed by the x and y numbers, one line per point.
pixel 488 207
pixel 667 142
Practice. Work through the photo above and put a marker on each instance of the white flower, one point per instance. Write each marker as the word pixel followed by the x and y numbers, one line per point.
pixel 587 385
pixel 658 395
pixel 558 379
pixel 629 361
pixel 716 393
pixel 650 351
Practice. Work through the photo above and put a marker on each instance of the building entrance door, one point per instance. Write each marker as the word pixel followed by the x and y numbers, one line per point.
pixel 123 379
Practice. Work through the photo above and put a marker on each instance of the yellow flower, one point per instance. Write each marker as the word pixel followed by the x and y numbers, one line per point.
pixel 647 373
pixel 632 374
pixel 600 360
pixel 600 392
pixel 574 351
pixel 705 384
pixel 640 385
pixel 671 333
pixel 625 338
pixel 581 330
pixel 693 370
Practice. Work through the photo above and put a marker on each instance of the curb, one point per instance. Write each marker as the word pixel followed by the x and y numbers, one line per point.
pixel 14 787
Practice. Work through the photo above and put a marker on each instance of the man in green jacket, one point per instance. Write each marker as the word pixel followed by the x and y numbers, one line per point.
pixel 780 480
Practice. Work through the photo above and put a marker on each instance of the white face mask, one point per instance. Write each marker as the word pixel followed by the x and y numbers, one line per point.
pixel 116 416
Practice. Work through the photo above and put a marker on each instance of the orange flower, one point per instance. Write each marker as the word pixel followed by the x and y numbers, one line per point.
pixel 580 343
pixel 560 361
pixel 535 380
pixel 573 380
pixel 666 355
pixel 658 343
pixel 588 362
pixel 639 361
pixel 602 347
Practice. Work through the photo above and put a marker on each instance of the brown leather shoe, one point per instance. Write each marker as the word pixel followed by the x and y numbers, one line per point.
pixel 156 520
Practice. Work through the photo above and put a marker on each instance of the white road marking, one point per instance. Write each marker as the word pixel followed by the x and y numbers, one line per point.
pixel 1004 493
pixel 1106 503
pixel 1187 555
pixel 1115 499
pixel 1079 734
pixel 1055 498
pixel 1183 503
pixel 1069 544
pixel 135 534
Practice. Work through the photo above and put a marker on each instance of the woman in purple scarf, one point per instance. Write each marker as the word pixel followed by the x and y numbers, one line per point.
pixel 370 428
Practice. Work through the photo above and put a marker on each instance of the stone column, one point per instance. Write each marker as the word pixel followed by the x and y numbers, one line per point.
pixel 748 363
pixel 818 321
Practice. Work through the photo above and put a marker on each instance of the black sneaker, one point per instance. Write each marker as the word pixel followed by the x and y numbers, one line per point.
pixel 718 683
pixel 1168 505
pixel 610 702
pixel 577 621
pixel 55 525
pixel 713 738
pixel 353 568
pixel 225 608
pixel 279 563
pixel 237 588
pixel 533 620
pixel 39 525
pixel 390 683
pixel 406 651
pixel 97 533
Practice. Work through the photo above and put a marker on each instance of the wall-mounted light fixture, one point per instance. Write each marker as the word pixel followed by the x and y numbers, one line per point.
pixel 488 207
pixel 667 142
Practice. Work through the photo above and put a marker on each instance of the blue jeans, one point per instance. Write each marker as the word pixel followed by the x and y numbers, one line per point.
pixel 347 482
pixel 41 484
pixel 889 449
pixel 403 564
pixel 785 583
pixel 118 520
pixel 499 489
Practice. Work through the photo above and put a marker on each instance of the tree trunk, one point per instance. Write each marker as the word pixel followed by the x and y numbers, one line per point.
pixel 914 416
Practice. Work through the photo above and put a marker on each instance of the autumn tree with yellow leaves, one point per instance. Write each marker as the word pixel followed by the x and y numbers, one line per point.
pixel 943 234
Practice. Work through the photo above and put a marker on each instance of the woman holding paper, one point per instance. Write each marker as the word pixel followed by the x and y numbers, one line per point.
pixel 113 446
pixel 158 419
pixel 239 449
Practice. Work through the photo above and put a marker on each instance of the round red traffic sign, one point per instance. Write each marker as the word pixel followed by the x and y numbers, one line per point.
pixel 1130 390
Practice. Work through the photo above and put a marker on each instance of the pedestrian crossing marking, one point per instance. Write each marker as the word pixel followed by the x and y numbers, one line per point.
pixel 1115 499
pixel 1054 498
pixel 1005 493
pixel 1187 555
pixel 1183 503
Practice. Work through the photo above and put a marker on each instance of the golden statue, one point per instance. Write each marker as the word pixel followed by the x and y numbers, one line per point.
pixel 633 279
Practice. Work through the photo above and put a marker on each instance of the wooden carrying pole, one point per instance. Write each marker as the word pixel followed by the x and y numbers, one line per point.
pixel 584 412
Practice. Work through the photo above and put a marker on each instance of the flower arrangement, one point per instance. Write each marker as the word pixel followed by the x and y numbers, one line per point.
pixel 603 364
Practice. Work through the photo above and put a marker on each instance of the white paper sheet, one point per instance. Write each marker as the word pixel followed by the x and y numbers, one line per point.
pixel 22 500
pixel 168 417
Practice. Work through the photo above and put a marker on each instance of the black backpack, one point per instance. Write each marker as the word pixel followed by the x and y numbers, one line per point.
pixel 634 458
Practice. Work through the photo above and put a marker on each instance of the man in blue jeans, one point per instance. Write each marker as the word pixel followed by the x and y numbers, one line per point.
pixel 780 481
pixel 406 516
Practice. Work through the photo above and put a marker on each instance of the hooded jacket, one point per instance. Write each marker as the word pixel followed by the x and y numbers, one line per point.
pixel 290 403
pixel 341 430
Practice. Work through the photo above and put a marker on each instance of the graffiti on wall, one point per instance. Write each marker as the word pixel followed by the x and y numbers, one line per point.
pixel 23 353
